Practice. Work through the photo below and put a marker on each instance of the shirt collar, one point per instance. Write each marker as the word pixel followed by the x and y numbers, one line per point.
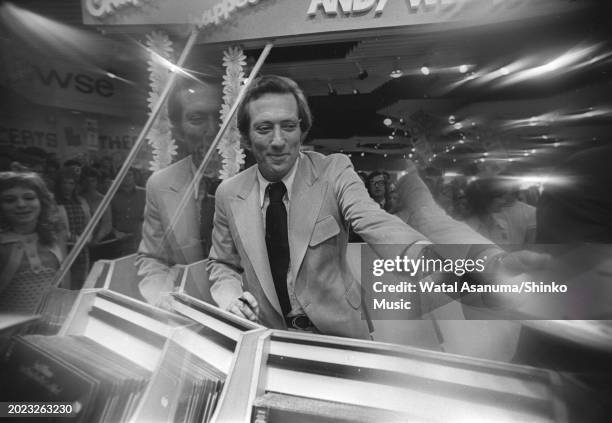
pixel 287 180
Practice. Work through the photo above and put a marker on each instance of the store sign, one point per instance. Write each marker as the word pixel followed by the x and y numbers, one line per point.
pixel 222 11
pixel 100 8
pixel 333 7
pixel 307 20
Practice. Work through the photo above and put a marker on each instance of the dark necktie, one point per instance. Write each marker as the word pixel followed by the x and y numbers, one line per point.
pixel 208 186
pixel 277 243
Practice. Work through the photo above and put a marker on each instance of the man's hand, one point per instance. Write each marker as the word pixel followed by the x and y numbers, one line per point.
pixel 165 301
pixel 245 306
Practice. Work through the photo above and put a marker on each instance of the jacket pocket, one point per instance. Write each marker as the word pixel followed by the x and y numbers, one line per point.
pixel 324 229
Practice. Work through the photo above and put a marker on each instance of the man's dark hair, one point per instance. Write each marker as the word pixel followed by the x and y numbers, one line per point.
pixel 374 174
pixel 273 84
pixel 175 110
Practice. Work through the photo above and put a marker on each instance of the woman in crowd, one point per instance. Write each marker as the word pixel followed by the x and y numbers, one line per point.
pixel 32 241
pixel 78 214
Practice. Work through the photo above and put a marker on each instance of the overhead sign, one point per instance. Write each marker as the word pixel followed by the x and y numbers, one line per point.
pixel 243 20
pixel 65 85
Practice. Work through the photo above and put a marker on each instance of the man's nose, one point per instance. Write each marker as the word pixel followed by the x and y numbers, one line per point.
pixel 278 139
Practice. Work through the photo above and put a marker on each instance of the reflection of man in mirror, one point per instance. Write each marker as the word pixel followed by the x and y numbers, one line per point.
pixel 193 109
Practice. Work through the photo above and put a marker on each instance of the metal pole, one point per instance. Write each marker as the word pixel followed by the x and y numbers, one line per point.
pixel 198 175
pixel 80 244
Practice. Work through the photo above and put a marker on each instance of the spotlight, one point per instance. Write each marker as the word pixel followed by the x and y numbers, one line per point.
pixel 332 90
pixel 402 121
pixel 362 154
pixel 425 70
pixel 387 121
pixel 355 91
pixel 463 68
pixel 505 71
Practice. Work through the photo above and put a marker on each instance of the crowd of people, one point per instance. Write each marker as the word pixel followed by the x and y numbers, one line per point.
pixel 71 193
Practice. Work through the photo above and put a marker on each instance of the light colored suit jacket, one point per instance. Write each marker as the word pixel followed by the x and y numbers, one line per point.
pixel 327 196
pixel 156 258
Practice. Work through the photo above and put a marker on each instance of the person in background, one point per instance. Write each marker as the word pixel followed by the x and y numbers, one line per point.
pixel 377 188
pixel 32 241
pixel 75 165
pixel 193 109
pixel 127 207
pixel 77 213
pixel 50 173
pixel 89 191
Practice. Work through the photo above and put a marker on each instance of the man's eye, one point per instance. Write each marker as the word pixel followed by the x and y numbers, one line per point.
pixel 264 128
pixel 289 126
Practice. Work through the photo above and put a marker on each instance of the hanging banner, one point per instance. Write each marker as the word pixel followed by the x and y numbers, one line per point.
pixel 242 20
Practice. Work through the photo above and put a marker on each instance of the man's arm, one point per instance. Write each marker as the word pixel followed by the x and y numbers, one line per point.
pixel 367 219
pixel 224 266
pixel 154 258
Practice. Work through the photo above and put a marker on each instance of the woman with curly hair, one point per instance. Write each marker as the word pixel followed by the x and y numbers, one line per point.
pixel 32 241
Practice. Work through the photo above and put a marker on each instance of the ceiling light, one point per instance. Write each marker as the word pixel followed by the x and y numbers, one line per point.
pixel 387 121
pixel 505 71
pixel 425 70
pixel 356 91
pixel 396 73
pixel 463 68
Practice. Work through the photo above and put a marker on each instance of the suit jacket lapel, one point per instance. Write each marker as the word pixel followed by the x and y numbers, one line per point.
pixel 306 199
pixel 187 229
pixel 249 223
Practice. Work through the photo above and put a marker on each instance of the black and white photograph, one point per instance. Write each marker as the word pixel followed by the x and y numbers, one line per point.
pixel 271 211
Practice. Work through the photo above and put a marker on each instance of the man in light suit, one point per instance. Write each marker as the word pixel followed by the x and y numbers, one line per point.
pixel 193 109
pixel 321 196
